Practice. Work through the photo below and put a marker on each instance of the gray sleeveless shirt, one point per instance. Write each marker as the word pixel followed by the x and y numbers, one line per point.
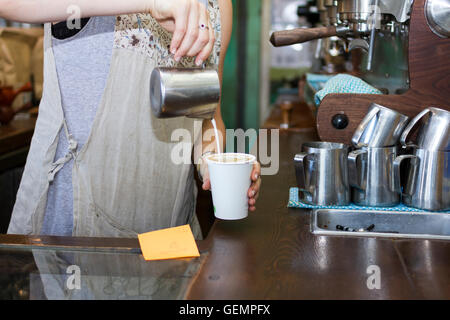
pixel 82 65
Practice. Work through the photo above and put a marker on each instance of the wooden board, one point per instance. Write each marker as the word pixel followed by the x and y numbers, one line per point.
pixel 270 255
pixel 273 255
pixel 429 71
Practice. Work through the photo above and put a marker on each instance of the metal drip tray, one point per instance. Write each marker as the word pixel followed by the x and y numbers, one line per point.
pixel 390 224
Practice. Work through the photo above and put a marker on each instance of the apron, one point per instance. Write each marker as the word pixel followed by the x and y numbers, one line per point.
pixel 124 182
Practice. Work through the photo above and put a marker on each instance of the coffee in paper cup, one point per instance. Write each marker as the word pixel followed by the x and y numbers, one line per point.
pixel 229 174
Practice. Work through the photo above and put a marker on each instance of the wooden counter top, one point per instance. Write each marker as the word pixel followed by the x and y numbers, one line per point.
pixel 273 255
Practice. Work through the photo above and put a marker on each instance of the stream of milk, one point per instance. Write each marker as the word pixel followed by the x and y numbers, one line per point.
pixel 216 133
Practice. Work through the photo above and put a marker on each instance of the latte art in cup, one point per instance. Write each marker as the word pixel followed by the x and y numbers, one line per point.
pixel 231 158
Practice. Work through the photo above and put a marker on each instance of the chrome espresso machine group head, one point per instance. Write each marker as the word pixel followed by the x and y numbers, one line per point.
pixel 379 27
pixel 354 20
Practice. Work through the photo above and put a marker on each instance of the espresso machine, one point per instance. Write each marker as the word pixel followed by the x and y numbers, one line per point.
pixel 406 49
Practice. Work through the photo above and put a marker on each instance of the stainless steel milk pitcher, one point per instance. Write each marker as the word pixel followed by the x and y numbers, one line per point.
pixel 370 176
pixel 427 183
pixel 176 92
pixel 434 133
pixel 381 127
pixel 321 172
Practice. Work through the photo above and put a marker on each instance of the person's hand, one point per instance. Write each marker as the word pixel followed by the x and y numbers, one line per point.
pixel 189 22
pixel 253 191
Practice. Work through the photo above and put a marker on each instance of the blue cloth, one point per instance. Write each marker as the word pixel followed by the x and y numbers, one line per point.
pixel 294 202
pixel 317 81
pixel 345 83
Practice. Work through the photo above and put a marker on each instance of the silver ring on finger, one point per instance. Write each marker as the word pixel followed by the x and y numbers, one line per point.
pixel 203 27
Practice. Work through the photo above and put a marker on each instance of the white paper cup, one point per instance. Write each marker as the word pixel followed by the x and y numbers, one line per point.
pixel 230 182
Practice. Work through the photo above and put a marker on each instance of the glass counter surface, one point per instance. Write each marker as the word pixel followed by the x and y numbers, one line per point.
pixel 57 268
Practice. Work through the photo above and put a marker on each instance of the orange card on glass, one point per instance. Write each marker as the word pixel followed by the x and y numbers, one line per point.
pixel 169 243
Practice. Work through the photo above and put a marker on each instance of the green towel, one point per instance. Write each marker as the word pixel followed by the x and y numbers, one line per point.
pixel 344 83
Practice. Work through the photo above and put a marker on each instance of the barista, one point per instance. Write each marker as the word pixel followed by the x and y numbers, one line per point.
pixel 99 162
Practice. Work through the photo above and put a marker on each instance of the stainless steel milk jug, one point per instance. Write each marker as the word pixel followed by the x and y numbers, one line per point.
pixel 176 92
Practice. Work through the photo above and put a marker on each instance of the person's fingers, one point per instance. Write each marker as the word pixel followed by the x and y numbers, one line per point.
pixel 204 172
pixel 191 34
pixel 181 25
pixel 256 178
pixel 207 49
pixel 203 35
pixel 253 191
pixel 258 188
pixel 256 172
pixel 206 185
pixel 206 182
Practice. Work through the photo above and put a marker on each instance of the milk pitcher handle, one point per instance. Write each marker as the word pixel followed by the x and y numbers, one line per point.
pixel 410 126
pixel 396 184
pixel 363 126
pixel 299 161
pixel 354 175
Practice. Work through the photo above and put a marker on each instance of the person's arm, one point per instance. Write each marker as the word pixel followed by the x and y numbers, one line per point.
pixel 40 11
pixel 182 17
pixel 226 13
